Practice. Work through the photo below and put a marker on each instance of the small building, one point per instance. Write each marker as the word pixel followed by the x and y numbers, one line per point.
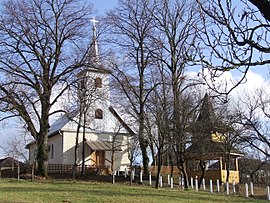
pixel 212 155
pixel 10 167
pixel 8 163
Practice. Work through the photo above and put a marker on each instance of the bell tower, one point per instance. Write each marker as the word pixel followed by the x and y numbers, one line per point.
pixel 94 87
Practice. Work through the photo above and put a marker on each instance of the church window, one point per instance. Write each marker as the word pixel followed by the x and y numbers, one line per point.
pixel 98 82
pixel 99 114
pixel 52 152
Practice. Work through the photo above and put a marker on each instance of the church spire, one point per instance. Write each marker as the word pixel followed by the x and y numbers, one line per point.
pixel 207 110
pixel 94 48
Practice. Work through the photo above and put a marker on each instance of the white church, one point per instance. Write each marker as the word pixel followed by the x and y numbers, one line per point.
pixel 103 138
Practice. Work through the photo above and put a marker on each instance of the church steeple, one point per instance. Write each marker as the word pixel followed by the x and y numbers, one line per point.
pixel 207 113
pixel 94 46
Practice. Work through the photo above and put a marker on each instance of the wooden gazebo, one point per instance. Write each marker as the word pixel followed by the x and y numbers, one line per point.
pixel 210 153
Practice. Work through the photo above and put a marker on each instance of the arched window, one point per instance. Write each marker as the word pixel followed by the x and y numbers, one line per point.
pixel 99 114
pixel 98 82
pixel 52 151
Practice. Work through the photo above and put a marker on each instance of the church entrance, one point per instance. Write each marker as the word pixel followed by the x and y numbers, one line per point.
pixel 98 158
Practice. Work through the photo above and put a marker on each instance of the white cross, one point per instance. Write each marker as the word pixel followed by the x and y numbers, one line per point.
pixel 94 21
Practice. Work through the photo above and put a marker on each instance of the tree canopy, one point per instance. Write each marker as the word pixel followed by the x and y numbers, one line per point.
pixel 39 45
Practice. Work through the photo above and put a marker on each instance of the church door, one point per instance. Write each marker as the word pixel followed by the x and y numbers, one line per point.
pixel 98 158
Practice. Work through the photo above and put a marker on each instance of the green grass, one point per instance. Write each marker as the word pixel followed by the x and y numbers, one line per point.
pixel 68 191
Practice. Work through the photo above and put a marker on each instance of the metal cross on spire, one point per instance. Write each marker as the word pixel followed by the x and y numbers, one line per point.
pixel 94 21
pixel 95 45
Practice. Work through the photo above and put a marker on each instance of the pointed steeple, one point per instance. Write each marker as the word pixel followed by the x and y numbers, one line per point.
pixel 207 113
pixel 205 123
pixel 94 46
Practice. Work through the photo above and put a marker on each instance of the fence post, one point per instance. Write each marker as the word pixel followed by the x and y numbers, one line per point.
pixel 251 189
pixel 246 189
pixel 217 185
pixel 211 186
pixel 191 182
pixel 125 172
pixel 160 181
pixel 233 185
pixel 203 183
pixel 196 184
pixel 268 193
pixel 227 188
pixel 171 182
pixel 168 179
pixel 133 174
pixel 113 177
pixel 150 178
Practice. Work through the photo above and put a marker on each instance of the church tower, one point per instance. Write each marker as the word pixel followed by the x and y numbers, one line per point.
pixel 94 87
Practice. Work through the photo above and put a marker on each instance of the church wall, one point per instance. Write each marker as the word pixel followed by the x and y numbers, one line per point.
pixel 32 152
pixel 121 158
pixel 55 149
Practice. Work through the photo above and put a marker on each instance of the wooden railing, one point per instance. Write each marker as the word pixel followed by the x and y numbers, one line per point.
pixel 68 168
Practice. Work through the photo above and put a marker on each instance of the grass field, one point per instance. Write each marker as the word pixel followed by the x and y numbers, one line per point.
pixel 21 191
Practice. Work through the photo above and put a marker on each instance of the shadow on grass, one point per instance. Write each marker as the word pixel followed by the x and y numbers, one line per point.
pixel 90 190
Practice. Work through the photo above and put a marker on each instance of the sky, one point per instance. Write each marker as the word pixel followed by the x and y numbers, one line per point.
pixel 103 5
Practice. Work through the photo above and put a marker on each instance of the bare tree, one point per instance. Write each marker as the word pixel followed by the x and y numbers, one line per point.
pixel 176 22
pixel 39 43
pixel 234 37
pixel 131 28
pixel 133 148
pixel 158 119
pixel 116 145
pixel 253 117
pixel 263 7
pixel 15 148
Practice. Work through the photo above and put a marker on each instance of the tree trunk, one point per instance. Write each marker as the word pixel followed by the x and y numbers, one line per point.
pixel 203 167
pixel 228 167
pixel 42 153
pixel 83 144
pixel 182 168
pixel 143 145
pixel 159 163
pixel 181 164
pixel 76 149
pixel 179 135
pixel 130 175
pixel 18 170
pixel 112 163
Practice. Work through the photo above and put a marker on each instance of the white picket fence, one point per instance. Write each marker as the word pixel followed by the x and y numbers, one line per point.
pixel 193 183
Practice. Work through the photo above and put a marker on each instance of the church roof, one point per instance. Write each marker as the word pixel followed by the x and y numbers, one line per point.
pixel 62 121
pixel 60 124
pixel 207 120
pixel 116 115
pixel 102 145
pixel 207 113
pixel 8 161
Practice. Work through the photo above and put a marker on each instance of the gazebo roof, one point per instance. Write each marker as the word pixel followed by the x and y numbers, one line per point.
pixel 211 150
